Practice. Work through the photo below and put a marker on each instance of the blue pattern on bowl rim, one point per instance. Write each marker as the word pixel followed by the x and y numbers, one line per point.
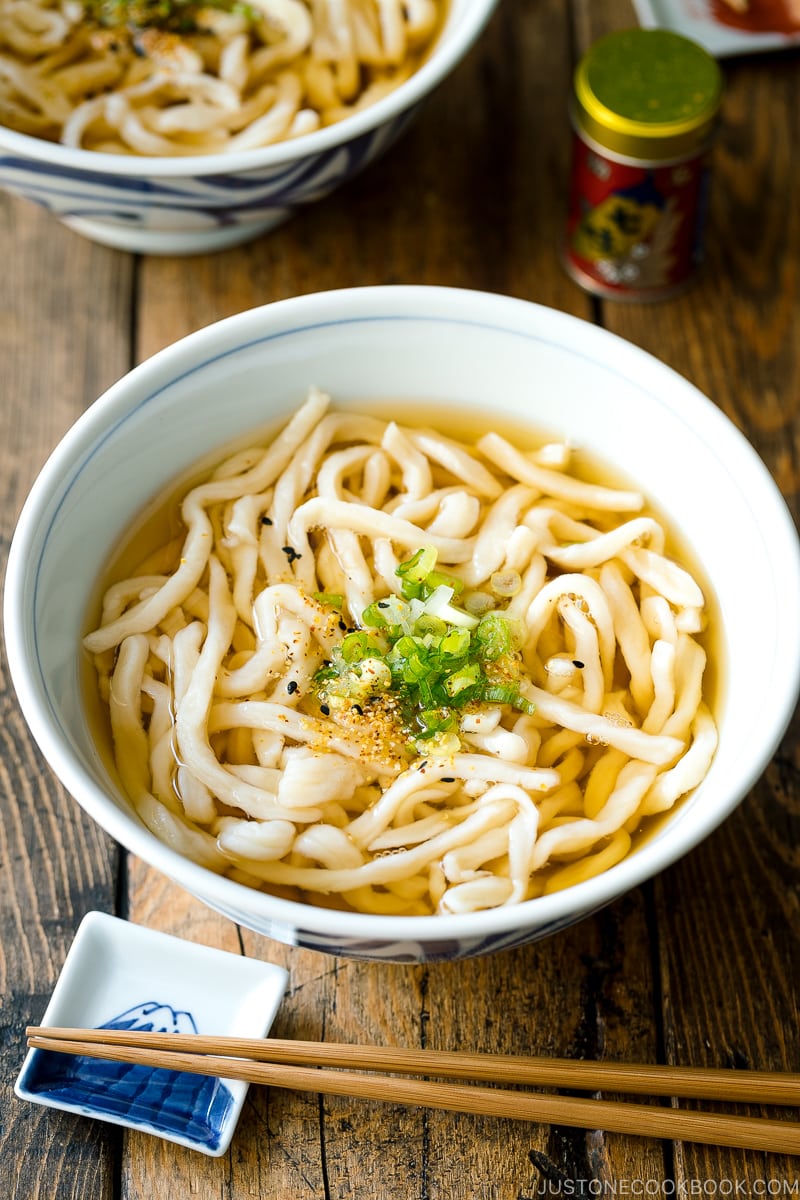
pixel 111 966
pixel 444 949
pixel 116 207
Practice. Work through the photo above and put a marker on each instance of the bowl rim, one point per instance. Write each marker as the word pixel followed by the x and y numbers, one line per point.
pixel 455 38
pixel 420 302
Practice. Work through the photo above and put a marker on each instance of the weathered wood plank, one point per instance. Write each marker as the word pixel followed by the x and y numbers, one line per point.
pixel 472 196
pixel 63 338
pixel 726 916
pixel 730 944
pixel 586 993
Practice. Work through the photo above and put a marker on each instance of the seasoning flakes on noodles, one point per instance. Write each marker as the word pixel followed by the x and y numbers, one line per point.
pixel 182 77
pixel 394 672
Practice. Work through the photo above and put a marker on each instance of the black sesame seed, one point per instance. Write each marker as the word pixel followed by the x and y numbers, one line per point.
pixel 325 710
pixel 357 708
pixel 383 604
pixel 291 553
pixel 343 626
pixel 292 686
pixel 576 662
pixel 266 520
pixel 448 779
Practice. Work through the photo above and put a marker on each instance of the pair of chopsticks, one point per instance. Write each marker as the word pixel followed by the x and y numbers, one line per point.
pixel 327 1068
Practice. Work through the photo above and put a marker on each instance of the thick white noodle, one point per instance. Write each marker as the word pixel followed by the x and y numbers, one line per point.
pixel 207 659
pixel 234 82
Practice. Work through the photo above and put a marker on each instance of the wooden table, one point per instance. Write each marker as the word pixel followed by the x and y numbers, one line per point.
pixel 698 966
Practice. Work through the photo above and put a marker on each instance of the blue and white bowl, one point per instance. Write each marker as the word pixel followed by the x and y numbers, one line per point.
pixel 521 363
pixel 196 204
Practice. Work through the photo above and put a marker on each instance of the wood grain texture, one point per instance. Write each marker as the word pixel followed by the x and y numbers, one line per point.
pixel 64 315
pixel 728 925
pixel 727 916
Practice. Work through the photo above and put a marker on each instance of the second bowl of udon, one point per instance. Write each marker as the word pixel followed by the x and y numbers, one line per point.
pixel 179 129
pixel 405 623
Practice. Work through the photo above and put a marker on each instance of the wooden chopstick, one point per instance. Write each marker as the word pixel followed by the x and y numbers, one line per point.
pixel 761 1087
pixel 246 1059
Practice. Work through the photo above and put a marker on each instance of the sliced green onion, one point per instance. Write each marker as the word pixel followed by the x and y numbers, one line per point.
pixel 356 646
pixel 497 636
pixel 374 674
pixel 332 599
pixel 435 578
pixel 373 616
pixel 428 626
pixel 456 643
pixel 506 583
pixel 405 646
pixel 438 604
pixel 502 694
pixel 440 745
pixel 467 677
pixel 499 694
pixel 434 657
pixel 479 603
pixel 416 668
pixel 419 566
pixel 434 720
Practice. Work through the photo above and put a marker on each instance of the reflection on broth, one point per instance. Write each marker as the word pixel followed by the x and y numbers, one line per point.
pixel 396 670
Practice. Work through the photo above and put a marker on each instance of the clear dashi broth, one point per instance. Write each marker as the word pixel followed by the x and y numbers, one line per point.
pixel 417 668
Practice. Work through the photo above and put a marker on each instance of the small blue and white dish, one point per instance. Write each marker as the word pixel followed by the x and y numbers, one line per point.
pixel 122 976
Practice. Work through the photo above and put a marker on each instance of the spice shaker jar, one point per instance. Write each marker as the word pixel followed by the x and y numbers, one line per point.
pixel 643 114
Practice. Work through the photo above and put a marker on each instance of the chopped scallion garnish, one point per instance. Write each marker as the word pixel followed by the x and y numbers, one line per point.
pixel 417 568
pixel 429 656
pixel 332 599
pixel 178 16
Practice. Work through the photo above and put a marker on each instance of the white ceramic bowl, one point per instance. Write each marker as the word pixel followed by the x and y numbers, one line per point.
pixel 482 351
pixel 198 204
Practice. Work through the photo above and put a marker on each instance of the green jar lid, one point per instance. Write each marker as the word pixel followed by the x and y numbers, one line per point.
pixel 647 93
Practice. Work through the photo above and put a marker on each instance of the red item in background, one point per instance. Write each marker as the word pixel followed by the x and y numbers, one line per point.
pixel 634 230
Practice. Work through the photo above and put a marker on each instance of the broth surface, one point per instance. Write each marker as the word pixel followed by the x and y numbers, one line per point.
pixel 155 546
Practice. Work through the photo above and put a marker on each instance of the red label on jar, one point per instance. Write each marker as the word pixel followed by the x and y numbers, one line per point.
pixel 633 230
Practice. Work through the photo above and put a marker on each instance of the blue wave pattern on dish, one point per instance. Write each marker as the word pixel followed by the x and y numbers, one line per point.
pixel 164 1101
pixel 211 200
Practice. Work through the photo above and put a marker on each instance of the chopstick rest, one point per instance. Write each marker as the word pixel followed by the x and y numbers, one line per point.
pixel 119 975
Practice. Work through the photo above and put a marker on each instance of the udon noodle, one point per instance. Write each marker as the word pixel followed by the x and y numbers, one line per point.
pixel 388 670
pixel 107 75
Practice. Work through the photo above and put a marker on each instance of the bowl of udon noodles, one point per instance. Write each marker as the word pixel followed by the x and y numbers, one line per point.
pixel 185 126
pixel 405 623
